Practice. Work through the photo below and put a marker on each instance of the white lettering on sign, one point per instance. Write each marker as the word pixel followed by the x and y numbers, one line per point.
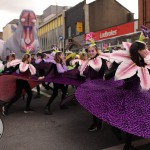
pixel 108 33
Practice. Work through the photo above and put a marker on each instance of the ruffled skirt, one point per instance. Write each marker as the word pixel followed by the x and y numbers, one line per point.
pixel 126 109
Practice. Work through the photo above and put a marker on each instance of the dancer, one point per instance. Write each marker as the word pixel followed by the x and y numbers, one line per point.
pixel 94 68
pixel 25 70
pixel 79 61
pixel 39 60
pixel 123 105
pixel 60 64
pixel 11 63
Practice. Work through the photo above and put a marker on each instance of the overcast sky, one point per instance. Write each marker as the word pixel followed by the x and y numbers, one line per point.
pixel 11 9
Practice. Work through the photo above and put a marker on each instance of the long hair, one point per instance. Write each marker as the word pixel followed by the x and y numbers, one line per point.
pixel 57 57
pixel 135 56
pixel 26 57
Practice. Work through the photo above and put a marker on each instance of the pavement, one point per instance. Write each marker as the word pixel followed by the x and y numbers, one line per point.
pixel 64 130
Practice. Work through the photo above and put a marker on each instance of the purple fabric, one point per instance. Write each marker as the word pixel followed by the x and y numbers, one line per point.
pixel 73 73
pixel 48 60
pixel 61 68
pixel 64 80
pixel 124 106
pixel 55 77
pixel 37 61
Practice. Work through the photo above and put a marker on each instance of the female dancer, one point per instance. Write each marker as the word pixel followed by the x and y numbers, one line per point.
pixel 25 70
pixel 82 58
pixel 39 60
pixel 60 64
pixel 11 63
pixel 94 68
pixel 124 105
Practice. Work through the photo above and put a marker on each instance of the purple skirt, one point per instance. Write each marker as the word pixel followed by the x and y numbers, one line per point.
pixel 126 109
pixel 63 80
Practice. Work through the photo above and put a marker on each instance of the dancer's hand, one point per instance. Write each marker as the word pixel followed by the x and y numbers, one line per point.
pixel 41 78
pixel 104 77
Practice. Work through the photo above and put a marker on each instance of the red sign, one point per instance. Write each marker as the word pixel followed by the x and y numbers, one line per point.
pixel 89 36
pixel 114 31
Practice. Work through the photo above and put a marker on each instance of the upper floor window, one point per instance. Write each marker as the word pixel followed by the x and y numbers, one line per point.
pixel 69 31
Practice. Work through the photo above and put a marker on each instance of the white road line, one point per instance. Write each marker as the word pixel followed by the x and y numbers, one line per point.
pixel 1 128
pixel 135 143
pixel 43 93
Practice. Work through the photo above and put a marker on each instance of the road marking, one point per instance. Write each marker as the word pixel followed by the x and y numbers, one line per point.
pixel 1 128
pixel 137 143
pixel 41 92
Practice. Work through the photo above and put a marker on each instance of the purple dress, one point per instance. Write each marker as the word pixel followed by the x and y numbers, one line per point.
pixel 121 104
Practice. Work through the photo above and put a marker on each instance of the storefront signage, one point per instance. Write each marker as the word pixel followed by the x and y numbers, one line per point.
pixel 112 32
pixel 89 36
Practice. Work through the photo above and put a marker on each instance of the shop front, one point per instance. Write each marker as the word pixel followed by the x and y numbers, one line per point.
pixel 114 36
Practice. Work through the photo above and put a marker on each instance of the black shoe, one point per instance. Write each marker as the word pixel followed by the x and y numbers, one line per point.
pixel 4 110
pixel 47 111
pixel 93 127
pixel 29 110
pixel 129 147
pixel 63 107
pixel 96 126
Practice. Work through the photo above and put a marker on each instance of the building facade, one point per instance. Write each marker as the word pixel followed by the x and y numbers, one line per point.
pixel 74 27
pixel 51 30
pixel 9 29
pixel 1 35
pixel 114 36
pixel 144 13
pixel 109 23
pixel 107 13
pixel 98 16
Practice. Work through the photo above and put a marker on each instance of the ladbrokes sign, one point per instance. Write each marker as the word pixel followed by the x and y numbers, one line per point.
pixel 108 34
pixel 114 31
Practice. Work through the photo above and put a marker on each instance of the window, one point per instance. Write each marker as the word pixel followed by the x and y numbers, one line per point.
pixel 69 31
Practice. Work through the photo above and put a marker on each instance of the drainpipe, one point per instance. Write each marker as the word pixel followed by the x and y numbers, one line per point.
pixel 144 12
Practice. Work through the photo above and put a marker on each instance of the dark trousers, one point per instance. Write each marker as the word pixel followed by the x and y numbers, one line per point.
pixel 56 87
pixel 21 85
pixel 96 120
pixel 118 133
pixel 45 85
pixel 129 138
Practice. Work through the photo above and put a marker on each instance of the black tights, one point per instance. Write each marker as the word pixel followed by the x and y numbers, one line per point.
pixel 45 85
pixel 128 141
pixel 118 133
pixel 96 120
pixel 55 93
pixel 21 85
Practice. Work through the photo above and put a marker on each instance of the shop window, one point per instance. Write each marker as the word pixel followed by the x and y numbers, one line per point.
pixel 128 40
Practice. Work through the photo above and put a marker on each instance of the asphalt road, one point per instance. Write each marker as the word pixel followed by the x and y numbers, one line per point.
pixel 64 130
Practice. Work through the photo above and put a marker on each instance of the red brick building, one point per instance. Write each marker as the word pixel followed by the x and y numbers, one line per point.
pixel 144 13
